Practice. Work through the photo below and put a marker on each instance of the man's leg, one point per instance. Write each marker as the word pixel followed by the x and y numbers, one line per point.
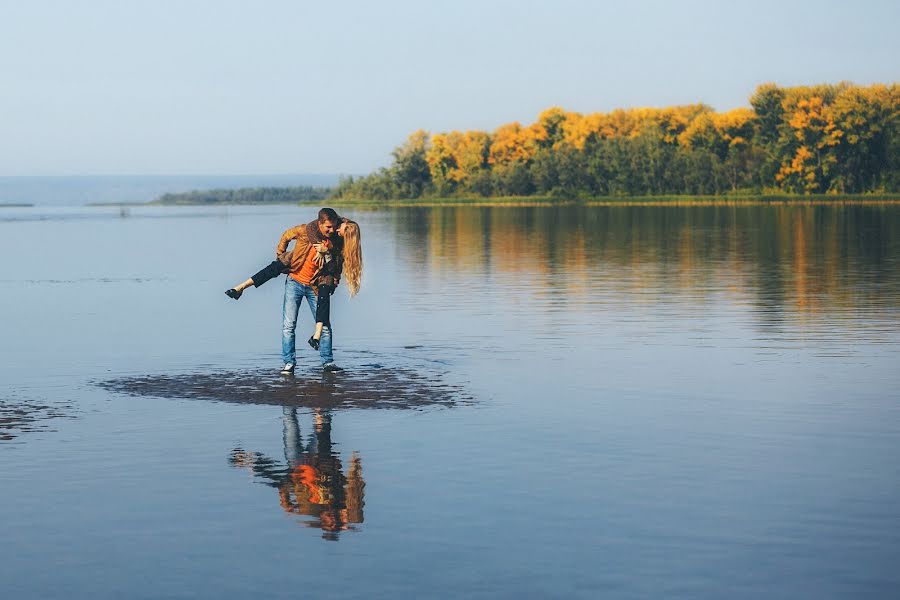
pixel 325 352
pixel 325 341
pixel 292 299
pixel 293 445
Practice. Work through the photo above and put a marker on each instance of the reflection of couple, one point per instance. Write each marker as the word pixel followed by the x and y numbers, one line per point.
pixel 324 250
pixel 313 482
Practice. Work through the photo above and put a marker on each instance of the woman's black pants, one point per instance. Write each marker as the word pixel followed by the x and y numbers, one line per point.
pixel 323 305
pixel 271 271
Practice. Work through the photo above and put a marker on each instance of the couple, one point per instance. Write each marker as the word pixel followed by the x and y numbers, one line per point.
pixel 324 250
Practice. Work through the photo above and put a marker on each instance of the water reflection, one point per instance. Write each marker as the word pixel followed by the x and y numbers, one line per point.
pixel 311 482
pixel 784 264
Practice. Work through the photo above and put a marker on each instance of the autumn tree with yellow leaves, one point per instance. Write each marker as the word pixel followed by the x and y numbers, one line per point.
pixel 819 139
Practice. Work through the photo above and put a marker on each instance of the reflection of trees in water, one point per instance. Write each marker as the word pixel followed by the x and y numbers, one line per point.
pixel 797 259
pixel 311 482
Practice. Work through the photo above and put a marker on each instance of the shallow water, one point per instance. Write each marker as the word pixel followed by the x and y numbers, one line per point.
pixel 631 401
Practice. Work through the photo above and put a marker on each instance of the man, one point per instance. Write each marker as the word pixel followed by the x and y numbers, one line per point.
pixel 302 269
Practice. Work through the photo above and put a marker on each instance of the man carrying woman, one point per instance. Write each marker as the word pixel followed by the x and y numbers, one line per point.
pixel 324 250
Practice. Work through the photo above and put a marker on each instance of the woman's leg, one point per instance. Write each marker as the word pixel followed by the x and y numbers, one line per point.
pixel 237 290
pixel 270 271
pixel 323 305
pixel 326 343
pixel 323 313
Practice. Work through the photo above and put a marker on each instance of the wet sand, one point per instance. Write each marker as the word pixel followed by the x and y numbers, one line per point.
pixel 372 387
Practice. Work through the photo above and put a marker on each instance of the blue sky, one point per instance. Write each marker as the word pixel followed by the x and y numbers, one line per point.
pixel 239 87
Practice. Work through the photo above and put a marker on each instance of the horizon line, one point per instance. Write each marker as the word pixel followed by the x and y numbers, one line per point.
pixel 74 175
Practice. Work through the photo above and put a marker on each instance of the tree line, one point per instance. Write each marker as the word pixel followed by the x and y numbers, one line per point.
pixel 822 139
pixel 260 195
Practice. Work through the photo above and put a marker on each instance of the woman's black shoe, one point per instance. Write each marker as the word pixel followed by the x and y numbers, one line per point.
pixel 313 342
pixel 233 293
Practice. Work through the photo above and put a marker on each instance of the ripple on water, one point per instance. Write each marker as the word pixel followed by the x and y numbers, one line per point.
pixel 18 416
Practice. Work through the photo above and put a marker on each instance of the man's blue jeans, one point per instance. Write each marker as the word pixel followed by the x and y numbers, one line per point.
pixel 294 293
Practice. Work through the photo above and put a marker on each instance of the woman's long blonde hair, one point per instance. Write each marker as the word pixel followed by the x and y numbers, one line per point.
pixel 353 263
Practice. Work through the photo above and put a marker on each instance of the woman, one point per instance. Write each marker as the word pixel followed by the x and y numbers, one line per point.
pixel 334 261
pixel 335 257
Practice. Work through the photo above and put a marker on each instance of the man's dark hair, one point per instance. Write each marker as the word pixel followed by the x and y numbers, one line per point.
pixel 328 214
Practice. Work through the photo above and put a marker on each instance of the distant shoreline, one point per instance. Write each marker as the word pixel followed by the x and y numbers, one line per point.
pixel 680 200
pixel 225 203
pixel 16 205
pixel 510 201
pixel 158 203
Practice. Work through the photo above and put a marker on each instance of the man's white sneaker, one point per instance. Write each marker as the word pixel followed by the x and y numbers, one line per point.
pixel 331 368
pixel 287 368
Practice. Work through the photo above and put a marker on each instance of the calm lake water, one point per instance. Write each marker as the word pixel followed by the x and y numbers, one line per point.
pixel 633 402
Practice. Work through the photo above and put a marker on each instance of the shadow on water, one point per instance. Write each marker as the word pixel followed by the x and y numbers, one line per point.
pixel 311 481
pixel 375 387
